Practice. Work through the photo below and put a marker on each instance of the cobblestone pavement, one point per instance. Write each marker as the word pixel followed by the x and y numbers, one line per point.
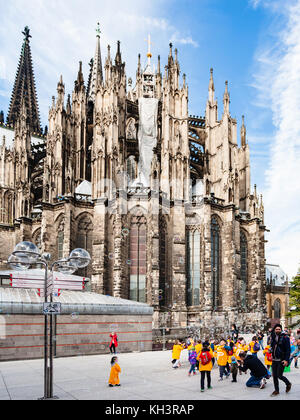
pixel 145 376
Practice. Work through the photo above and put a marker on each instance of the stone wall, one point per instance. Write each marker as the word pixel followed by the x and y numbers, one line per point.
pixel 74 335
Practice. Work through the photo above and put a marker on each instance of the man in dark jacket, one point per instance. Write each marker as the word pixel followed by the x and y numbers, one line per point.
pixel 281 351
pixel 258 372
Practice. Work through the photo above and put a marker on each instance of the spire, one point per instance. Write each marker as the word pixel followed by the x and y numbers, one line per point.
pixel 79 83
pixel 139 69
pixel 149 54
pixel 170 58
pixel 68 108
pixel 243 132
pixel 158 65
pixel 118 59
pixel 60 91
pixel 226 99
pixel 91 64
pixel 97 74
pixel 24 88
pixel 211 88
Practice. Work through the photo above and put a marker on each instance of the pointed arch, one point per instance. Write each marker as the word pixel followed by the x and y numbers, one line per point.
pixel 37 239
pixel 60 226
pixel 164 262
pixel 138 258
pixel 277 309
pixel 84 238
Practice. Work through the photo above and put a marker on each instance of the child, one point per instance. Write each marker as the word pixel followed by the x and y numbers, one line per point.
pixel 193 361
pixel 234 368
pixel 268 357
pixel 205 365
pixel 295 353
pixel 190 344
pixel 198 349
pixel 114 373
pixel 222 358
pixel 177 349
pixel 254 346
pixel 230 353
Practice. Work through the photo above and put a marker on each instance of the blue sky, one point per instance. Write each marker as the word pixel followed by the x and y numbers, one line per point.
pixel 253 44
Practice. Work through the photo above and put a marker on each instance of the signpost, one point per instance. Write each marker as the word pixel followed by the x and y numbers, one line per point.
pixel 47 285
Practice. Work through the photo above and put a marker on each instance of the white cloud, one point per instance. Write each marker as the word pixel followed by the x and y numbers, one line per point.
pixel 63 33
pixel 278 86
pixel 176 38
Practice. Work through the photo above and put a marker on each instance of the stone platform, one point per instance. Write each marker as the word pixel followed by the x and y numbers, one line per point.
pixel 145 376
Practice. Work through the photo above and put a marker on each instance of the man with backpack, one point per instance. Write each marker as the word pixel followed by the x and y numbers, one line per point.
pixel 281 351
pixel 205 365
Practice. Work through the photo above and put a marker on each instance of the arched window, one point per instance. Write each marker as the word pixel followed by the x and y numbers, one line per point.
pixel 84 240
pixel 131 168
pixel 138 261
pixel 60 239
pixel 215 261
pixel 244 268
pixel 277 309
pixel 163 262
pixel 7 210
pixel 37 239
pixel 82 151
pixel 193 267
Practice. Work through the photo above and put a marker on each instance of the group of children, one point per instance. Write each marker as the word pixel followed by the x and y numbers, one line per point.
pixel 225 353
pixel 203 356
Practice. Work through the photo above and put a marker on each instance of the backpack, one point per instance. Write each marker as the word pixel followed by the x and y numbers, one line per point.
pixel 205 357
pixel 230 352
pixel 256 347
pixel 269 356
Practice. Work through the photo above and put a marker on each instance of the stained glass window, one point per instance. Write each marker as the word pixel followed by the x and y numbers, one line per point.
pixel 193 268
pixel 244 268
pixel 138 260
pixel 163 264
pixel 215 261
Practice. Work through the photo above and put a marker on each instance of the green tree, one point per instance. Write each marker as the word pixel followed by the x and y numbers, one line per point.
pixel 295 299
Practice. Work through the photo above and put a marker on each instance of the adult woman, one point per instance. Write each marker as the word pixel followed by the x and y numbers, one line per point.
pixel 234 333
pixel 114 343
pixel 260 337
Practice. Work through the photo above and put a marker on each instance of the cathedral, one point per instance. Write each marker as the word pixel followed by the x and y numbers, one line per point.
pixel 162 200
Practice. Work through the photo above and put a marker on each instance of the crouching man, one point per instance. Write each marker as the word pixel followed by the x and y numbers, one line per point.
pixel 258 372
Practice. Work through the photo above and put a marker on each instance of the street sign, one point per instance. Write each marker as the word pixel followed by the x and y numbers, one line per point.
pixel 54 292
pixel 55 282
pixel 51 308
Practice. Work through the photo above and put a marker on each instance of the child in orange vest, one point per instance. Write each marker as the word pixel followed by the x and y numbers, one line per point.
pixel 268 357
pixel 205 364
pixel 114 379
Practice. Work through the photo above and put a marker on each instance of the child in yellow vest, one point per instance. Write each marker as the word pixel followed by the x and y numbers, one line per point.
pixel 254 346
pixel 222 359
pixel 114 379
pixel 177 349
pixel 205 364
pixel 239 348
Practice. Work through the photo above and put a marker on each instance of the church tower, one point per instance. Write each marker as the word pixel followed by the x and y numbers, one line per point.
pixel 24 89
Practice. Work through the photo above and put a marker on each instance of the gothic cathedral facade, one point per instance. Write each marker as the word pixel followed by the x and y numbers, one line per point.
pixel 162 200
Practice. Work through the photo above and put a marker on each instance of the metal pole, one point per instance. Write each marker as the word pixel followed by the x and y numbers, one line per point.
pixel 51 352
pixel 46 373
